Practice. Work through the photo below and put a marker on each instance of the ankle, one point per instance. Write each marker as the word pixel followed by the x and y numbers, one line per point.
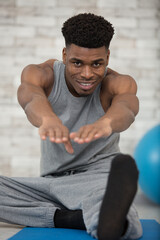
pixel 69 219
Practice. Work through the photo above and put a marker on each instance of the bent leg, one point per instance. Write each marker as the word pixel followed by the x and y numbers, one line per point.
pixel 106 211
pixel 26 201
pixel 119 195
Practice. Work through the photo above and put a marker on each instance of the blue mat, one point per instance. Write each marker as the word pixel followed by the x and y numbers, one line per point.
pixel 151 231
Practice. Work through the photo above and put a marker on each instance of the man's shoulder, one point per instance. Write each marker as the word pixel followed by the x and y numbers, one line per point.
pixel 117 83
pixel 113 76
pixel 40 75
pixel 47 67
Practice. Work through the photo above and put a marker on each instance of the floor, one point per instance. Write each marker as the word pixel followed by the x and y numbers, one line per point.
pixel 145 207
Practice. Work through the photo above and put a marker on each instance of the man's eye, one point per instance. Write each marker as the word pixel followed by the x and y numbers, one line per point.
pixel 96 64
pixel 77 64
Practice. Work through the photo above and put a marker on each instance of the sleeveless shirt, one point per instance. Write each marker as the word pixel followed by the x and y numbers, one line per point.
pixel 74 113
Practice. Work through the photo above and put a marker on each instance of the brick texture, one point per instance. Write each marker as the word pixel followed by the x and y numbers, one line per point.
pixel 30 32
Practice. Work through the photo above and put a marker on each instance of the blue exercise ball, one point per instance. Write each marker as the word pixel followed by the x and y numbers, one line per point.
pixel 147 156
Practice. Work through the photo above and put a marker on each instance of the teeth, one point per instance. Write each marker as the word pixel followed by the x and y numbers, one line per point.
pixel 86 84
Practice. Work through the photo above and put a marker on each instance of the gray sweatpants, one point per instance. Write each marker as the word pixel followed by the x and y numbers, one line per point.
pixel 33 201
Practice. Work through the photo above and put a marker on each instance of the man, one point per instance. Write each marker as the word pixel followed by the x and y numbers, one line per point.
pixel 79 106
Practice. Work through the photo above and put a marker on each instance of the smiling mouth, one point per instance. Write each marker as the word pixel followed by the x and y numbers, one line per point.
pixel 86 85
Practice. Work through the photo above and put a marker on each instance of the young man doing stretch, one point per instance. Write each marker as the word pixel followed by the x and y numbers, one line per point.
pixel 80 106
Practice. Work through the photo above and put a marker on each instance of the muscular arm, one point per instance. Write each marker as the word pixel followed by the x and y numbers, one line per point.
pixel 36 84
pixel 119 116
pixel 124 106
pixel 31 94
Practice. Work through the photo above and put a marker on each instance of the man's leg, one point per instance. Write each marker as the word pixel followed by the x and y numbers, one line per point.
pixel 26 201
pixel 97 212
pixel 92 203
pixel 119 195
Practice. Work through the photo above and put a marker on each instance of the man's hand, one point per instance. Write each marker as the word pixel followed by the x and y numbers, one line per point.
pixel 57 132
pixel 91 132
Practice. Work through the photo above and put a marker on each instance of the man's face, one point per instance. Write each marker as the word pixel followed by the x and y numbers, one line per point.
pixel 85 68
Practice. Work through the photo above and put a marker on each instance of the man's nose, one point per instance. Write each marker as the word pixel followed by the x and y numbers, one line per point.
pixel 87 72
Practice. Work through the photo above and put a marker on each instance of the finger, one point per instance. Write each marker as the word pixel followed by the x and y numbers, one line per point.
pixel 99 134
pixel 76 136
pixel 42 133
pixel 80 131
pixel 68 147
pixel 73 135
pixel 58 135
pixel 65 137
pixel 51 135
pixel 83 134
pixel 91 135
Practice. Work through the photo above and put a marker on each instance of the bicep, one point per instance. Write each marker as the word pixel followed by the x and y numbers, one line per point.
pixel 36 80
pixel 127 100
pixel 33 74
pixel 26 92
pixel 33 83
pixel 39 74
pixel 124 84
pixel 124 89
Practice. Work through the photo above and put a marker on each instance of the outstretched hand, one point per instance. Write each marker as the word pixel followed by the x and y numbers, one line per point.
pixel 91 132
pixel 56 132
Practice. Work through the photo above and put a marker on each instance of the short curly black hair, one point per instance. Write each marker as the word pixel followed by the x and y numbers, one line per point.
pixel 88 30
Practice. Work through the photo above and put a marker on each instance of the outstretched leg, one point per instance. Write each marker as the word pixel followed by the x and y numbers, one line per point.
pixel 119 195
pixel 25 201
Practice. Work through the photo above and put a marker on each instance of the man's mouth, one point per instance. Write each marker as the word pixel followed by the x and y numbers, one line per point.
pixel 86 85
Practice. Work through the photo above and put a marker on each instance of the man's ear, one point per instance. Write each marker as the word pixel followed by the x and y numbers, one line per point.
pixel 64 55
pixel 108 55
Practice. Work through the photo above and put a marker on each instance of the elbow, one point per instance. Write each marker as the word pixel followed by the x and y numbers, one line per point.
pixel 132 117
pixel 20 96
pixel 135 110
pixel 133 107
pixel 136 107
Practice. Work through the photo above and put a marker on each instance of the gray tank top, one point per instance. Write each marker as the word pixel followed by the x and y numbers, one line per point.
pixel 75 112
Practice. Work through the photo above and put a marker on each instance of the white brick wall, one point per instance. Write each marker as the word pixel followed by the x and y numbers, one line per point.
pixel 30 32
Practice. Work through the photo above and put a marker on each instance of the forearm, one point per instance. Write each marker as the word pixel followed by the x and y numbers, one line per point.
pixel 119 117
pixel 122 112
pixel 38 110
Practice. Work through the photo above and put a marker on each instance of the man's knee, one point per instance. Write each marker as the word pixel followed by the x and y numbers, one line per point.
pixel 126 161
